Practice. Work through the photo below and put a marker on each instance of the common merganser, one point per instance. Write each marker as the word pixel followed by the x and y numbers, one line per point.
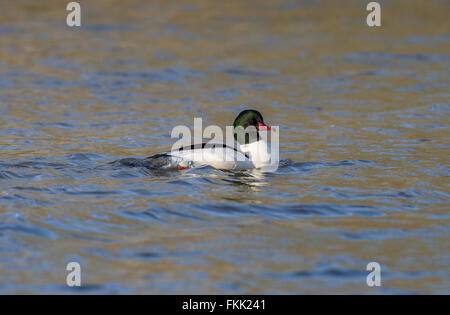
pixel 253 151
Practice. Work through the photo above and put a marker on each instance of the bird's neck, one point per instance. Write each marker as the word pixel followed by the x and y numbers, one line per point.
pixel 258 151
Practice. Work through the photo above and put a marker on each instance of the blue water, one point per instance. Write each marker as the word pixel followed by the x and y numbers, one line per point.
pixel 363 116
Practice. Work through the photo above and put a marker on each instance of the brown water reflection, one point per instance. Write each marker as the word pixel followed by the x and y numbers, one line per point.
pixel 364 139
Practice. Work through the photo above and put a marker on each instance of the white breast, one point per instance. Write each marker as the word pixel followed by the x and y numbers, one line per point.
pixel 259 153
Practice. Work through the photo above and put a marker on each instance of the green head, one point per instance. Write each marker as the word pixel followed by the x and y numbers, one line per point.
pixel 251 119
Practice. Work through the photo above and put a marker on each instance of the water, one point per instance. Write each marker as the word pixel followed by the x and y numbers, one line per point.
pixel 364 116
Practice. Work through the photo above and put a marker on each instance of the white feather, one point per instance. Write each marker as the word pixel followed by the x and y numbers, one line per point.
pixel 225 157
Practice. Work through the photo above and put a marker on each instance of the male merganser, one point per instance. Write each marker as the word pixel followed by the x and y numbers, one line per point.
pixel 253 151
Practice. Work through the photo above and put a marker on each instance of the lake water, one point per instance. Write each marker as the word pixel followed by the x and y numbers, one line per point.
pixel 364 141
